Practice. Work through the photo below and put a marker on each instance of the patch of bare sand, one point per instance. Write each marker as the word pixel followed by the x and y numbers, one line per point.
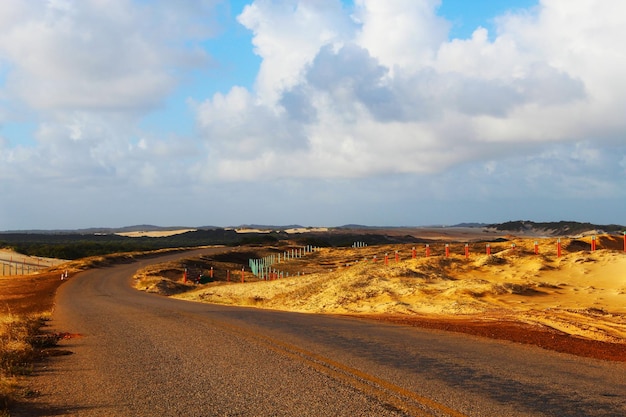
pixel 155 233
pixel 581 293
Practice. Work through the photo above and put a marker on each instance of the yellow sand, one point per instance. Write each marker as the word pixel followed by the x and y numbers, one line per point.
pixel 582 293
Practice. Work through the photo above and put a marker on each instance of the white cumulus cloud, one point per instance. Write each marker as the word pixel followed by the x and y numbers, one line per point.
pixel 380 89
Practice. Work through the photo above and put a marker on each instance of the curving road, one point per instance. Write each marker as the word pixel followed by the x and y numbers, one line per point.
pixel 146 355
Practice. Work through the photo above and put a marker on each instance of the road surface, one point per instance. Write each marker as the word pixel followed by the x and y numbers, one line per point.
pixel 147 355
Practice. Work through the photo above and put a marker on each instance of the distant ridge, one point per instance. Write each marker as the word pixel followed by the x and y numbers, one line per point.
pixel 560 228
pixel 103 230
pixel 267 227
pixel 517 226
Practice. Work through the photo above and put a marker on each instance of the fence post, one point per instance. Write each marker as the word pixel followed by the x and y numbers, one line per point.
pixel 593 243
pixel 386 259
pixel 466 251
pixel 413 253
pixel 558 248
pixel 488 249
pixel 242 270
pixel 427 250
pixel 447 250
pixel 536 248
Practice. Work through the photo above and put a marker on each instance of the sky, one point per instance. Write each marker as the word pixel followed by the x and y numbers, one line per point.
pixel 311 112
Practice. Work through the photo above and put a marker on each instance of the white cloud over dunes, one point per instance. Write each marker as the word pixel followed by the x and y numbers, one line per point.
pixel 387 92
pixel 347 100
pixel 85 72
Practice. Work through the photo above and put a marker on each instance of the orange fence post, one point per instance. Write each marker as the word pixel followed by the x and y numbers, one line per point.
pixel 536 248
pixel 242 275
pixel 211 272
pixel 488 249
pixel 466 251
pixel 428 247
pixel 593 243
pixel 447 250
pixel 386 259
pixel 413 253
pixel 558 248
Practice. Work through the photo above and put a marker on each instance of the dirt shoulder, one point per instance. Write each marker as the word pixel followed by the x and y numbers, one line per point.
pixel 515 331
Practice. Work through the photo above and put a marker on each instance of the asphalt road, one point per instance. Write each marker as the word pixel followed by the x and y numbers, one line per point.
pixel 147 355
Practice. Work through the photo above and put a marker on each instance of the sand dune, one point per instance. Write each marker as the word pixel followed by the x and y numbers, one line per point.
pixel 581 292
pixel 155 233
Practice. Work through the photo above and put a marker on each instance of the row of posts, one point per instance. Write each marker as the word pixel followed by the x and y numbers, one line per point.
pixel 559 250
pixel 20 268
pixel 262 267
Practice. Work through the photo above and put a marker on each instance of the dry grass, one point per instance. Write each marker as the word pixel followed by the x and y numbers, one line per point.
pixel 20 341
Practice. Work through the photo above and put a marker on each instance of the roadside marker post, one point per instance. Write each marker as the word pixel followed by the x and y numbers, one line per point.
pixel 211 272
pixel 488 249
pixel 593 243
pixel 466 251
pixel 242 270
pixel 536 248
pixel 386 259
pixel 428 249
pixel 413 253
pixel 558 248
pixel 447 250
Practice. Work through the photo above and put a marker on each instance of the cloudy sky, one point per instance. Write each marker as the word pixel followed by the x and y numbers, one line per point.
pixel 311 112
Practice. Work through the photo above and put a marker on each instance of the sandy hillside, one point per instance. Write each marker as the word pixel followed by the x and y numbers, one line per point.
pixel 581 292
pixel 155 233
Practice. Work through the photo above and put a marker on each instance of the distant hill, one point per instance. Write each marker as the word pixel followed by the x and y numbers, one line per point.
pixel 102 230
pixel 470 225
pixel 267 227
pixel 561 228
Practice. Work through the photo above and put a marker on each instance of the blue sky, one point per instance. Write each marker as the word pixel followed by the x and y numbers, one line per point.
pixel 326 112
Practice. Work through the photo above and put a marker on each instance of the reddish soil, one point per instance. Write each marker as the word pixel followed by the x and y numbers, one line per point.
pixel 541 336
pixel 29 294
pixel 34 294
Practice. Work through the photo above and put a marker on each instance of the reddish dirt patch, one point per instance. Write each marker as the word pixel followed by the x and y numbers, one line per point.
pixel 543 337
pixel 28 294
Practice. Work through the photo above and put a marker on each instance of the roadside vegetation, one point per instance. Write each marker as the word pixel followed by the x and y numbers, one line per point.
pixel 21 344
